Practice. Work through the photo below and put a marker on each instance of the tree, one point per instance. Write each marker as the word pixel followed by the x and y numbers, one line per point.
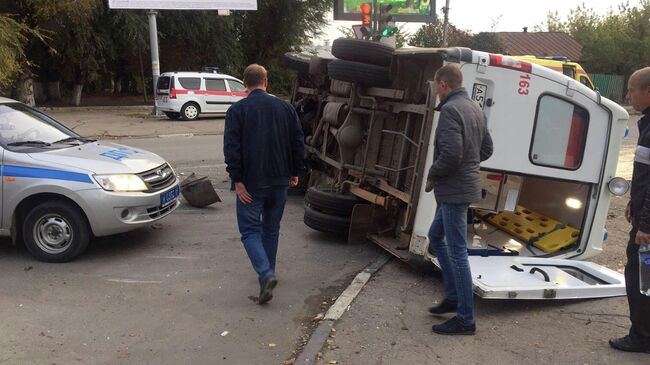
pixel 430 36
pixel 277 27
pixel 487 42
pixel 12 42
pixel 617 43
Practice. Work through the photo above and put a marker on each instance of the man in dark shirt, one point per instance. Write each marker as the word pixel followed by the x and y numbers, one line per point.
pixel 638 213
pixel 264 151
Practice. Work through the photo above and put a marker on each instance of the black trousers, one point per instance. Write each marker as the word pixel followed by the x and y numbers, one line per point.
pixel 639 303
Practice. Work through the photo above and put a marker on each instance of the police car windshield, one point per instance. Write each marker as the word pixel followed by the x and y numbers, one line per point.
pixel 20 124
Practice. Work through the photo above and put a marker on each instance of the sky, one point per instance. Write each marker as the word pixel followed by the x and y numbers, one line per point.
pixel 509 15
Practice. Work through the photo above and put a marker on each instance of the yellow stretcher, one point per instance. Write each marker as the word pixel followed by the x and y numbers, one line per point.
pixel 549 235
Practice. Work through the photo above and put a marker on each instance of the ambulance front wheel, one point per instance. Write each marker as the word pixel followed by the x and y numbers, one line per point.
pixel 190 111
pixel 56 231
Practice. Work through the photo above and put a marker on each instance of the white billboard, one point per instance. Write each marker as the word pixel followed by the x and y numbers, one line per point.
pixel 184 4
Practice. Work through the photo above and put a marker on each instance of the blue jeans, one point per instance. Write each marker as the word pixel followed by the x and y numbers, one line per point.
pixel 448 238
pixel 259 226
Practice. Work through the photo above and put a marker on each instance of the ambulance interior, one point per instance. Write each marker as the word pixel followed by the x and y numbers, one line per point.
pixel 526 216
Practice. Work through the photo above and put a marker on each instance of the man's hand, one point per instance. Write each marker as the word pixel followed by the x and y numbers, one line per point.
pixel 293 181
pixel 642 238
pixel 628 213
pixel 429 186
pixel 243 194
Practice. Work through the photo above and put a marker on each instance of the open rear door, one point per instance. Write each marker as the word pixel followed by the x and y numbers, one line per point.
pixel 507 277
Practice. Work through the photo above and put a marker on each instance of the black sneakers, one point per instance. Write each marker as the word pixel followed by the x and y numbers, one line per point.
pixel 266 289
pixel 628 344
pixel 446 306
pixel 454 326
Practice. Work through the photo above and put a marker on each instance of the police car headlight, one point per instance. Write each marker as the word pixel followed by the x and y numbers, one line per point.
pixel 618 186
pixel 121 183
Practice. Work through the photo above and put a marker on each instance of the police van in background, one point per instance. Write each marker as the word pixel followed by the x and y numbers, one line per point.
pixel 186 95
pixel 58 189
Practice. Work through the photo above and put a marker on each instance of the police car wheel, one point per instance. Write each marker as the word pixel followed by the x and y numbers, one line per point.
pixel 190 111
pixel 55 231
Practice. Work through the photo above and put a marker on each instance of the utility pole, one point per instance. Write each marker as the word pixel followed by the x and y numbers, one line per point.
pixel 375 16
pixel 155 62
pixel 445 26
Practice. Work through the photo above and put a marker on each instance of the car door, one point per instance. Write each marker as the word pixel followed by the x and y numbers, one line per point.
pixel 217 96
pixel 237 90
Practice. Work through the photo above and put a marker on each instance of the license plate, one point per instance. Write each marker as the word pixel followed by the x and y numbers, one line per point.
pixel 479 93
pixel 169 196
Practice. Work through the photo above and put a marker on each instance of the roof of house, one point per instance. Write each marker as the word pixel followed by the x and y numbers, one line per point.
pixel 541 44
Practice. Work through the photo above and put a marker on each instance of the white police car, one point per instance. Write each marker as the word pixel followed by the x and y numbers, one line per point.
pixel 59 189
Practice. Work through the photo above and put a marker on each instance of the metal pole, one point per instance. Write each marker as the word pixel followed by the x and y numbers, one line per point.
pixel 445 26
pixel 153 42
pixel 375 17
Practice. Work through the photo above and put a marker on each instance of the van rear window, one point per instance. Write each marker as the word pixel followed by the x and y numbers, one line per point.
pixel 560 133
pixel 163 83
pixel 190 83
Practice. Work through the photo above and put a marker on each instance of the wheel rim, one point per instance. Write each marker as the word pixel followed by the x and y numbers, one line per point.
pixel 53 234
pixel 191 112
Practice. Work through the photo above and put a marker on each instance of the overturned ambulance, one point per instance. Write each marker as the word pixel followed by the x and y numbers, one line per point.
pixel 369 120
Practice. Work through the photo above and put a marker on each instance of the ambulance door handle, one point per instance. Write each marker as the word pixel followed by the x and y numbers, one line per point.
pixel 537 269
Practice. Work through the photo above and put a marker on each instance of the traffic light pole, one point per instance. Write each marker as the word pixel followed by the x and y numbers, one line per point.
pixel 375 16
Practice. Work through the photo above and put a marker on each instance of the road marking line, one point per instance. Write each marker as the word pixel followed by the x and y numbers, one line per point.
pixel 176 135
pixel 174 257
pixel 132 281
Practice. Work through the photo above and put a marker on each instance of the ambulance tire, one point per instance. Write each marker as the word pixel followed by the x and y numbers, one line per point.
pixel 363 73
pixel 326 223
pixel 358 50
pixel 297 62
pixel 190 111
pixel 173 115
pixel 330 202
pixel 56 231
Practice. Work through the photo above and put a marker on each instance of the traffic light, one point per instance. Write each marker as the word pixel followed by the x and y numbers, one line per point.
pixel 366 14
pixel 387 26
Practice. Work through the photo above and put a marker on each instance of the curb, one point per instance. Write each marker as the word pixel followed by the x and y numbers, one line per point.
pixel 318 339
pixel 90 108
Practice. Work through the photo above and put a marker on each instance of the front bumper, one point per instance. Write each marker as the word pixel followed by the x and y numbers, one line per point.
pixel 111 213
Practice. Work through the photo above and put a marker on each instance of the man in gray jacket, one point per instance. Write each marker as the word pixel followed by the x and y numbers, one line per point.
pixel 462 141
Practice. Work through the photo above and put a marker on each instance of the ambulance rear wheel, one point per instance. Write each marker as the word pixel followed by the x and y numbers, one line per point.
pixel 190 111
pixel 56 231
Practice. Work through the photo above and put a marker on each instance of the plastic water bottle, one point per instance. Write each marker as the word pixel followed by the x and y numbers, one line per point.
pixel 644 269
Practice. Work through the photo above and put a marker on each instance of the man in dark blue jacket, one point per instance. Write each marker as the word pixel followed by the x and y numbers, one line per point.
pixel 264 151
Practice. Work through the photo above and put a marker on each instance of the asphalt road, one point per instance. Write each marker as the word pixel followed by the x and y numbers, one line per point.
pixel 176 293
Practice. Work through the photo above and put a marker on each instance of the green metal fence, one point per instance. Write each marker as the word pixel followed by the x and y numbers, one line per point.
pixel 610 86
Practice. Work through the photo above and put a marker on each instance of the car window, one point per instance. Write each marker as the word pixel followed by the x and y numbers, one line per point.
pixel 560 133
pixel 569 71
pixel 190 83
pixel 585 81
pixel 215 85
pixel 19 123
pixel 163 82
pixel 236 86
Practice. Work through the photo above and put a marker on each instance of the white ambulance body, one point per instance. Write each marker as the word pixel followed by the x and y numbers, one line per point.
pixel 546 187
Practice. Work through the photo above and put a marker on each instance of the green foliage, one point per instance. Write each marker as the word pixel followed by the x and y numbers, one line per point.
pixel 12 40
pixel 277 27
pixel 617 43
pixel 431 36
